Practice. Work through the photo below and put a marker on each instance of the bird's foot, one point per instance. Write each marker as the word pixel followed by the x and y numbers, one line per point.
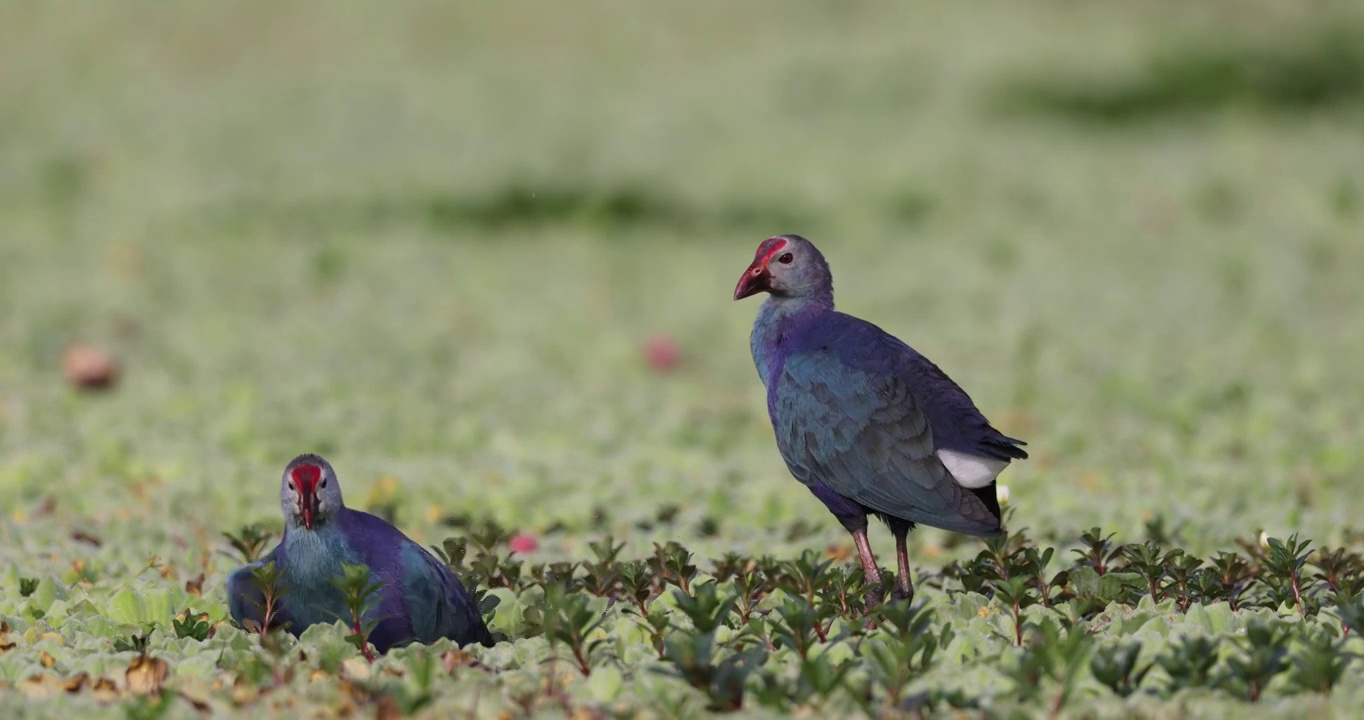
pixel 902 591
pixel 874 596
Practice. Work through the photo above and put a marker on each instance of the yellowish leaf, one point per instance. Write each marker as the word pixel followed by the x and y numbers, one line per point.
pixel 40 686
pixel 356 668
pixel 453 659
pixel 244 692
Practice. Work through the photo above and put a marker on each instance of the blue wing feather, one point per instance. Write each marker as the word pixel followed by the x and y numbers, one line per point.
pixel 957 423
pixel 861 412
pixel 438 601
pixel 245 600
pixel 419 588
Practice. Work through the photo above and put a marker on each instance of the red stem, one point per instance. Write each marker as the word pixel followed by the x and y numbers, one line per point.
pixel 1297 594
pixel 269 615
pixel 364 642
pixel 582 661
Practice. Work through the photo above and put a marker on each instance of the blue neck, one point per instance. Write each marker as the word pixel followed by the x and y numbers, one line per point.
pixel 778 318
pixel 315 555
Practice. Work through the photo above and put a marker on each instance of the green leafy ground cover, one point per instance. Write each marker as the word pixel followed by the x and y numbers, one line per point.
pixel 429 242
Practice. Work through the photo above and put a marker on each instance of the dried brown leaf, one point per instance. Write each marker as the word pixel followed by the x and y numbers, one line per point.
pixel 387 709
pixel 146 674
pixel 104 690
pixel 76 683
pixel 87 538
pixel 198 703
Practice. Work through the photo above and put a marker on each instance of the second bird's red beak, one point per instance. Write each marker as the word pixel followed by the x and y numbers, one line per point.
pixel 754 280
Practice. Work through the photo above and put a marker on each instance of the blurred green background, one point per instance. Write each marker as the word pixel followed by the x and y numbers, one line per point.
pixel 430 240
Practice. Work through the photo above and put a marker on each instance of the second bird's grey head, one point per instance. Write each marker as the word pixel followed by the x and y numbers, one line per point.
pixel 786 266
pixel 310 494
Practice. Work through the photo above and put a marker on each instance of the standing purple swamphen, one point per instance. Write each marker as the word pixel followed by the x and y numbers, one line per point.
pixel 421 599
pixel 864 421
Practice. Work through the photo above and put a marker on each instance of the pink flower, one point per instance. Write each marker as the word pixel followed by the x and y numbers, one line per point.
pixel 522 543
pixel 661 353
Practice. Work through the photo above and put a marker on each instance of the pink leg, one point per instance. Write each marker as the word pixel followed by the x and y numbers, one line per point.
pixel 869 569
pixel 904 586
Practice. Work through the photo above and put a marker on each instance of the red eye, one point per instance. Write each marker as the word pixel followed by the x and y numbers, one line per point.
pixel 785 259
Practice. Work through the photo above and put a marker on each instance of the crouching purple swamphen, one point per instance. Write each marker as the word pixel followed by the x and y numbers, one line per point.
pixel 867 423
pixel 421 599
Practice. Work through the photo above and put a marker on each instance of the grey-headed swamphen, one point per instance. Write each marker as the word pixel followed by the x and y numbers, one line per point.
pixel 867 423
pixel 421 599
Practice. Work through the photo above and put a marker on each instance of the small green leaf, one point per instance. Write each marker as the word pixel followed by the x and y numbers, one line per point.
pixel 47 592
pixel 126 607
pixel 605 683
pixel 1108 588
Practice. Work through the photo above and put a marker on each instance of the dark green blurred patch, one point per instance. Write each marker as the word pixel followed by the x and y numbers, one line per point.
pixel 1299 70
pixel 1217 201
pixel 64 180
pixel 517 205
pixel 1345 198
pixel 912 207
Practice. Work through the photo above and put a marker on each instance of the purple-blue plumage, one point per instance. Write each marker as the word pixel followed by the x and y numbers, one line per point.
pixel 421 600
pixel 865 421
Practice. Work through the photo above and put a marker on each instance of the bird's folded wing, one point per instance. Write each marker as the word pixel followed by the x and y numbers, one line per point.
pixel 424 592
pixel 244 597
pixel 441 606
pixel 862 433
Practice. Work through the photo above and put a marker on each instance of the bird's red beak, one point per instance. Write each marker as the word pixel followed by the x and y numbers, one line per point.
pixel 307 501
pixel 754 280
pixel 306 478
pixel 758 277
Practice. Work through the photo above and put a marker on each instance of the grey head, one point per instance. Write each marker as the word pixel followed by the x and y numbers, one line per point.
pixel 787 266
pixel 309 494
